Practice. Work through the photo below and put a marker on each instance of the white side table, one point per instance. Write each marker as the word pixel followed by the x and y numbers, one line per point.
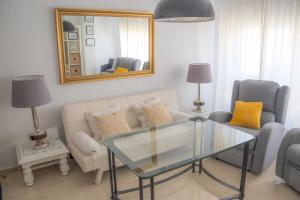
pixel 55 153
pixel 204 114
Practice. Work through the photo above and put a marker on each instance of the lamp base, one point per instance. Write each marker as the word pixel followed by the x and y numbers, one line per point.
pixel 39 137
pixel 199 106
pixel 40 144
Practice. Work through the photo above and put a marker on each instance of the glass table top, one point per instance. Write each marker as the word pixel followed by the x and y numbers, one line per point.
pixel 152 152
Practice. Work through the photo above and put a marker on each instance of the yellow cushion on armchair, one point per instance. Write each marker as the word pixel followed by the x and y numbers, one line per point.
pixel 121 70
pixel 247 114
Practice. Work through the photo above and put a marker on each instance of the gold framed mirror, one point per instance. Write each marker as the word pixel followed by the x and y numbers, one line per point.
pixel 99 45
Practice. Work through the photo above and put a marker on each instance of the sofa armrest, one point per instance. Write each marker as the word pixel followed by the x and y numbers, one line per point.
pixel 292 137
pixel 267 145
pixel 85 143
pixel 177 115
pixel 220 116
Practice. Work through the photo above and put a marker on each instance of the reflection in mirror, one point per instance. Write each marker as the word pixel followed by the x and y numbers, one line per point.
pixel 102 45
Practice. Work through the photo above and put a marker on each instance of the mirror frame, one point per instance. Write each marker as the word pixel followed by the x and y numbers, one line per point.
pixel 59 12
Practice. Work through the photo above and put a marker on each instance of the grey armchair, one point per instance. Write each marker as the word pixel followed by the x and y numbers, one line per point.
pixel 264 149
pixel 131 64
pixel 288 159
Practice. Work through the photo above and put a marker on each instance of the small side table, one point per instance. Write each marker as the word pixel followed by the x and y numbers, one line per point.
pixel 55 153
pixel 204 114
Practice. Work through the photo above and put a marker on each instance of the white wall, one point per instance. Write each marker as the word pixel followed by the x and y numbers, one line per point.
pixel 107 39
pixel 28 46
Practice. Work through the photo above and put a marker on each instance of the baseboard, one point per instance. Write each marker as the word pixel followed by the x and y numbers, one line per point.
pixel 5 172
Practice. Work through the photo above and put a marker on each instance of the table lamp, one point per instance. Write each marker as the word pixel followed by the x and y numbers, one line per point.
pixel 30 92
pixel 199 73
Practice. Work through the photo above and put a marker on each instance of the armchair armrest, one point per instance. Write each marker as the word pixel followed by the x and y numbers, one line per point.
pixel 105 67
pixel 220 116
pixel 267 145
pixel 292 137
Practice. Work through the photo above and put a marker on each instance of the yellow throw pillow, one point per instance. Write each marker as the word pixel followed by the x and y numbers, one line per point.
pixel 121 70
pixel 112 124
pixel 247 114
pixel 157 114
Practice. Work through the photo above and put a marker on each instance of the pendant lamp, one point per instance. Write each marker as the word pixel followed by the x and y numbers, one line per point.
pixel 184 11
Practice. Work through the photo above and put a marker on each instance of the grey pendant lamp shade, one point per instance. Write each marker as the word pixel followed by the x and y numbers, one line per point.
pixel 29 91
pixel 184 11
pixel 68 26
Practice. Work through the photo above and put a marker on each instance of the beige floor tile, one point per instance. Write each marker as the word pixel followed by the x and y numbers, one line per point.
pixel 50 185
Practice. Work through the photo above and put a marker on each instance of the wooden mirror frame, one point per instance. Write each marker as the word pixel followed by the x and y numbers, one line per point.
pixel 59 12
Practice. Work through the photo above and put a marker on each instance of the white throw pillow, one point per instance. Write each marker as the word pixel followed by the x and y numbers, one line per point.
pixel 139 112
pixel 85 143
pixel 92 121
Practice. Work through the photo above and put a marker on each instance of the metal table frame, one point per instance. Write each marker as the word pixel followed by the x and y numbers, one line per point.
pixel 0 191
pixel 191 166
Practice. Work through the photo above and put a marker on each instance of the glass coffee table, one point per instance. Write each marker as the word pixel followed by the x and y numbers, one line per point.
pixel 149 153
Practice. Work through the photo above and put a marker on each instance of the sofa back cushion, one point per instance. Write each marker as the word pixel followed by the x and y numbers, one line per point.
pixel 157 114
pixel 112 124
pixel 73 114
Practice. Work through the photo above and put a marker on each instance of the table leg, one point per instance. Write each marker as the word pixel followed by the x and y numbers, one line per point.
pixel 114 176
pixel 152 187
pixel 244 171
pixel 141 188
pixel 193 167
pixel 0 191
pixel 63 166
pixel 28 176
pixel 200 166
pixel 110 174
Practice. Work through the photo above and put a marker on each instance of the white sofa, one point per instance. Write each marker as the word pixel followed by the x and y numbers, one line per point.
pixel 74 121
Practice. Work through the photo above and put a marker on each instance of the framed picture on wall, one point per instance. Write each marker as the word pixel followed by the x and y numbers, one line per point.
pixel 73 36
pixel 89 30
pixel 89 19
pixel 90 42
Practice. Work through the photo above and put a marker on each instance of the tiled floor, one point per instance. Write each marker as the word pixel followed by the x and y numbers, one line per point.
pixel 50 185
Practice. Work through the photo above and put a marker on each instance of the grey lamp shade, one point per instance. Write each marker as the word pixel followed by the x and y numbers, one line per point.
pixel 184 11
pixel 68 26
pixel 199 73
pixel 29 91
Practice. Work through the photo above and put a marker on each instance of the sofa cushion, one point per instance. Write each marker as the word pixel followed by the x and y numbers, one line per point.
pixel 293 154
pixel 92 121
pixel 157 114
pixel 139 112
pixel 261 91
pixel 112 124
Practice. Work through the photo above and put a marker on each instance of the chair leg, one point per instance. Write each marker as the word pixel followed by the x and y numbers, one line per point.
pixel 98 178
